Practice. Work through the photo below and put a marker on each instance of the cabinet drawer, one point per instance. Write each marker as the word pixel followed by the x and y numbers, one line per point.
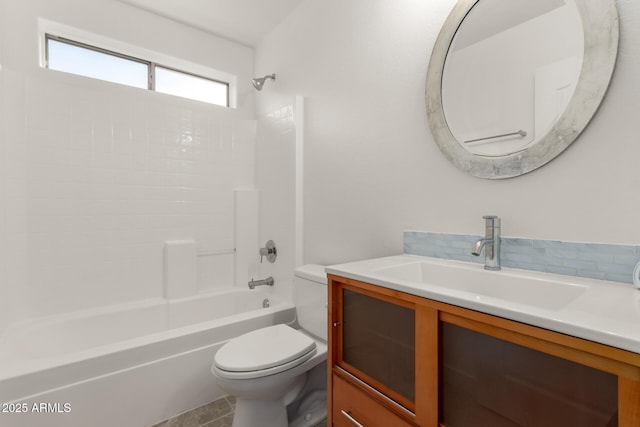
pixel 352 406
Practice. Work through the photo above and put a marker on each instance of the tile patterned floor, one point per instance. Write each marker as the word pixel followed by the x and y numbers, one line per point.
pixel 214 414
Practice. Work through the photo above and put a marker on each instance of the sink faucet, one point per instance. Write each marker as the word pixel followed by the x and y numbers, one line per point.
pixel 490 243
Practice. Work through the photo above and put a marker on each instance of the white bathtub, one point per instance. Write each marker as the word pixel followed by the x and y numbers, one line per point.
pixel 128 365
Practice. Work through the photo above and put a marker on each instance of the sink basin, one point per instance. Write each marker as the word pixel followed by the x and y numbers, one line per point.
pixel 517 286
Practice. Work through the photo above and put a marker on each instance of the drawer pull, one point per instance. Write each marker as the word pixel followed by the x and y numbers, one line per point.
pixel 336 324
pixel 350 418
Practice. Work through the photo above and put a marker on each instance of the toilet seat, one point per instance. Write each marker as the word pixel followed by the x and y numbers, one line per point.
pixel 263 352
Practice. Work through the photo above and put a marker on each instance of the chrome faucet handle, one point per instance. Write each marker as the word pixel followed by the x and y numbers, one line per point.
pixel 492 220
pixel 269 251
pixel 491 226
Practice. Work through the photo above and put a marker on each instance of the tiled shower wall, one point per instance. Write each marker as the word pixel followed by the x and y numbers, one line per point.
pixel 276 170
pixel 96 177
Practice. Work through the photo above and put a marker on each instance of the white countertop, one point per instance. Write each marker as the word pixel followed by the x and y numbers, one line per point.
pixel 605 312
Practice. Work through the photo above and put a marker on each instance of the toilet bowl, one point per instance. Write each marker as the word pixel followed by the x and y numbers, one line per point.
pixel 267 368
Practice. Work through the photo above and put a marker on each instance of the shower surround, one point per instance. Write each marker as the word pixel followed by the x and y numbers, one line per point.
pixel 96 177
pixel 107 178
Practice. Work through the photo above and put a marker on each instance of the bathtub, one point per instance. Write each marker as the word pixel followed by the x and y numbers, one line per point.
pixel 128 365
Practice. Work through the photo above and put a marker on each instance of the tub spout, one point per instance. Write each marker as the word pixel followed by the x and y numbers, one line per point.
pixel 264 282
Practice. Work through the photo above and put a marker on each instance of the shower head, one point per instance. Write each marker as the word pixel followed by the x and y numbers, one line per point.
pixel 259 82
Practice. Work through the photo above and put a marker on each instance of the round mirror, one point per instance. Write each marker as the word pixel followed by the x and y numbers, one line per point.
pixel 512 83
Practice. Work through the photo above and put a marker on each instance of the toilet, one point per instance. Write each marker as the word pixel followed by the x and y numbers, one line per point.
pixel 266 369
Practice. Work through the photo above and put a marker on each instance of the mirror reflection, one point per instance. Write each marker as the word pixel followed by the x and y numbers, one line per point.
pixel 510 72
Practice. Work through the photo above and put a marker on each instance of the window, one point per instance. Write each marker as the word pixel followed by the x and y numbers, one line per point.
pixel 78 58
pixel 90 62
pixel 177 83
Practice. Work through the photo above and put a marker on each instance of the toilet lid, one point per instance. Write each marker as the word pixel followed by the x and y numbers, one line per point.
pixel 263 349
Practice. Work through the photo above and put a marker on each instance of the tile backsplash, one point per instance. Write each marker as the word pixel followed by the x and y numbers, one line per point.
pixel 592 260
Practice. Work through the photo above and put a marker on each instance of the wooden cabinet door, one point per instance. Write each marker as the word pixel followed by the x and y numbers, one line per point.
pixel 494 383
pixel 377 343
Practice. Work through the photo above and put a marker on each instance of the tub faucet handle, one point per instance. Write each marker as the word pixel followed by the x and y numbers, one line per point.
pixel 269 251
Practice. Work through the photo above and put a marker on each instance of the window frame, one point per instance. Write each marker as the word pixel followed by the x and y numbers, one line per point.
pixel 64 40
pixel 63 34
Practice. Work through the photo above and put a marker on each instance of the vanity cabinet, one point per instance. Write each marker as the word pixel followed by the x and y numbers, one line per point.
pixel 396 359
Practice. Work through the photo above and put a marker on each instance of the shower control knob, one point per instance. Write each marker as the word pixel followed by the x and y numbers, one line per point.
pixel 269 251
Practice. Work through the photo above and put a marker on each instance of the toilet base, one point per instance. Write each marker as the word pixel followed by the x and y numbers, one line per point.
pixel 259 413
pixel 265 412
pixel 311 410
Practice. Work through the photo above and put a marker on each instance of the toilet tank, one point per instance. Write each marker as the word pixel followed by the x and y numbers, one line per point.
pixel 310 299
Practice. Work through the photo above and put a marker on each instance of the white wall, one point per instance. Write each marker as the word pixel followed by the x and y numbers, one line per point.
pixel 372 168
pixel 95 176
